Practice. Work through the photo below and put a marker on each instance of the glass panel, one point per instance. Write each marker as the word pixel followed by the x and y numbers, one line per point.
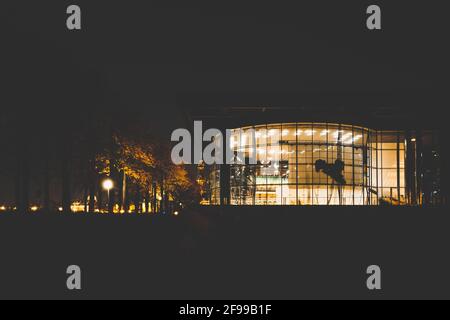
pixel 389 159
pixel 317 164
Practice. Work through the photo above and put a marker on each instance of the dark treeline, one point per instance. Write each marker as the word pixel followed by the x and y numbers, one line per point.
pixel 52 160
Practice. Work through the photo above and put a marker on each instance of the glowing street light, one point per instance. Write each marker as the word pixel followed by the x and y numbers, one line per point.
pixel 108 184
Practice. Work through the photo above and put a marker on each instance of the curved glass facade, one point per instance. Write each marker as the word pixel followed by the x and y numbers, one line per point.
pixel 314 164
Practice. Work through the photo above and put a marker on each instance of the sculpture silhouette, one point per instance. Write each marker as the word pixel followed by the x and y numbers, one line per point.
pixel 335 171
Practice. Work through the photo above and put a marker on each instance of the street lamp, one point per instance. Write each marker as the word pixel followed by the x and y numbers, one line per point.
pixel 108 184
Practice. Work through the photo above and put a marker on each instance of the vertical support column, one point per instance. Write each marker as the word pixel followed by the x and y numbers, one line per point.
pixel 353 166
pixel 224 173
pixel 377 165
pixel 408 169
pixel 328 144
pixel 398 167
pixel 297 166
pixel 418 167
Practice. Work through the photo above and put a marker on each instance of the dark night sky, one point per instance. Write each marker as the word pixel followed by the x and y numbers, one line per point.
pixel 148 56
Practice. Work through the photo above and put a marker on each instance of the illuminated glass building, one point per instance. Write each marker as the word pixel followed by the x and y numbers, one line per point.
pixel 329 163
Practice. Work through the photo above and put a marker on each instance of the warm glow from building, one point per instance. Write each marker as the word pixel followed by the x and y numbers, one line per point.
pixel 298 166
pixel 77 207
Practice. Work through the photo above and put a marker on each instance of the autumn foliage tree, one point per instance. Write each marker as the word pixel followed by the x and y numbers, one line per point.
pixel 146 176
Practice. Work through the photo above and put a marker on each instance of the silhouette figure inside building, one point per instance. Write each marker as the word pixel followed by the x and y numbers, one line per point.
pixel 335 171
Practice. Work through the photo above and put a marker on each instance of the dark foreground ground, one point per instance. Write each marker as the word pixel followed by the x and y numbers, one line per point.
pixel 229 253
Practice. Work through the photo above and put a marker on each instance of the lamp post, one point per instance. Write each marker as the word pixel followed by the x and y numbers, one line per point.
pixel 108 184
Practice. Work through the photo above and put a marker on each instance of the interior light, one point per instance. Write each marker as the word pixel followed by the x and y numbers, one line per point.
pixel 346 136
